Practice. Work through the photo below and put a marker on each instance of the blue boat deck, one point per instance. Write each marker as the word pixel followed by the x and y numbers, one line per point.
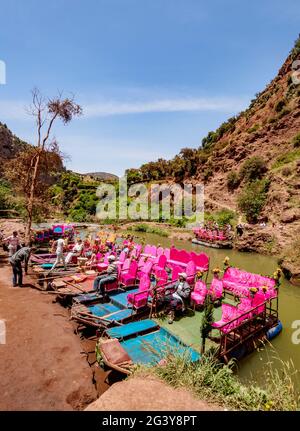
pixel 101 310
pixel 131 329
pixel 119 315
pixel 151 348
pixel 120 299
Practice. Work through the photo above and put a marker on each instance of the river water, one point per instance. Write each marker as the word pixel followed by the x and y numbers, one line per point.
pixel 253 366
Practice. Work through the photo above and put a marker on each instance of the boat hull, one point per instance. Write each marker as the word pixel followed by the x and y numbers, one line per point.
pixel 220 244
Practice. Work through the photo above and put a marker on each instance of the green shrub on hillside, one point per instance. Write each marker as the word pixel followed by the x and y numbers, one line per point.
pixel 252 199
pixel 253 169
pixel 296 49
pixel 5 195
pixel 233 180
pixel 222 217
pixel 78 215
pixel 286 158
pixel 253 128
pixel 296 140
pixel 280 105
pixel 213 137
pixel 283 112
pixel 208 173
pixel 8 200
pixel 148 229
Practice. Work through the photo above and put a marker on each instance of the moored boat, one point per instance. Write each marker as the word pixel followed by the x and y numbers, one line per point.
pixel 142 342
pixel 215 238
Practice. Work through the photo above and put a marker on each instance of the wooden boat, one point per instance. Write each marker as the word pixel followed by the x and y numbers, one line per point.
pixel 212 238
pixel 140 342
pixel 215 244
pixel 42 236
pixel 90 310
pixel 71 285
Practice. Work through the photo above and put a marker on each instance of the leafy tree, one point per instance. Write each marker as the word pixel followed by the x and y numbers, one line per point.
pixel 253 198
pixel 29 165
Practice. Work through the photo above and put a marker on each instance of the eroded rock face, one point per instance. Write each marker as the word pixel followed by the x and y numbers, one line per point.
pixel 148 393
pixel 10 145
pixel 290 216
pixel 255 239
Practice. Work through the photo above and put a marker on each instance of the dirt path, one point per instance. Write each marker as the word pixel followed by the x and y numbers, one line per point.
pixel 41 367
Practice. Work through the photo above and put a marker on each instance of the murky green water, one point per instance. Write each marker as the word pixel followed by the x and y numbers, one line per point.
pixel 253 366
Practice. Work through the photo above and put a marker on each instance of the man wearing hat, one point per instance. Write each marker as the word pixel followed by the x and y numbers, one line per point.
pixel 107 277
pixel 181 292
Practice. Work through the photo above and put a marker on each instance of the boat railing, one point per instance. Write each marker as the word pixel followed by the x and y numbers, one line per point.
pixel 247 325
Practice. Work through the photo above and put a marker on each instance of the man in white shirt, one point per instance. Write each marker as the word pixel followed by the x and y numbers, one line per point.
pixel 76 251
pixel 60 257
pixel 13 243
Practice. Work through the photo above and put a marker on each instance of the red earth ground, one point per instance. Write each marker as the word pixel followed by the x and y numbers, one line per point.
pixel 42 364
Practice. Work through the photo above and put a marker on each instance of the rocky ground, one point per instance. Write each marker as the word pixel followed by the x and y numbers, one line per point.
pixel 148 393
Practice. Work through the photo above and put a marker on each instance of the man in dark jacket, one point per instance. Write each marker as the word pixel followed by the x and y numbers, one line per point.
pixel 107 277
pixel 22 255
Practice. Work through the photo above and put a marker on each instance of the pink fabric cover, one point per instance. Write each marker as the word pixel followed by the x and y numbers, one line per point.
pixel 145 269
pixel 210 235
pixel 140 298
pixel 239 282
pixel 182 258
pixel 216 289
pixel 199 293
pixel 129 277
pixel 190 272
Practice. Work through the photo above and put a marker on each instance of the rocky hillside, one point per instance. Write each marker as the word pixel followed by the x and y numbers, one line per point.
pixel 10 144
pixel 99 176
pixel 250 164
pixel 268 129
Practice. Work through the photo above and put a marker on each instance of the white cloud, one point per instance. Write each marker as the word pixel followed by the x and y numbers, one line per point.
pixel 109 108
pixel 16 110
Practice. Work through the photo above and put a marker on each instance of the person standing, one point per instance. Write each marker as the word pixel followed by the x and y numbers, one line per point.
pixel 22 255
pixel 60 257
pixel 13 242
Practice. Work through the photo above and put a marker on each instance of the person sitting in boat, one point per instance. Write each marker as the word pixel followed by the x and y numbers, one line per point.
pixel 76 251
pixel 107 277
pixel 180 293
pixel 96 246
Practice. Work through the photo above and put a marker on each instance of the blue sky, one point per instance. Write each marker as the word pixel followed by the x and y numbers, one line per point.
pixel 152 76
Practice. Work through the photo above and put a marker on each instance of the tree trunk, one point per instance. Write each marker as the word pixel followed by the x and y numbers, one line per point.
pixel 31 199
pixel 203 346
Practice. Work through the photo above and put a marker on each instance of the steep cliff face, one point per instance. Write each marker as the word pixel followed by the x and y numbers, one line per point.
pixel 10 145
pixel 269 129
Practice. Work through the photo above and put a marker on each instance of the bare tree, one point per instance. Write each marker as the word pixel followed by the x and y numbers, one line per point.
pixel 46 112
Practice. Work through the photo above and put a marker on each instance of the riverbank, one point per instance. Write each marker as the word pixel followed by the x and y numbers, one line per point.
pixel 263 240
pixel 42 365
pixel 258 239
